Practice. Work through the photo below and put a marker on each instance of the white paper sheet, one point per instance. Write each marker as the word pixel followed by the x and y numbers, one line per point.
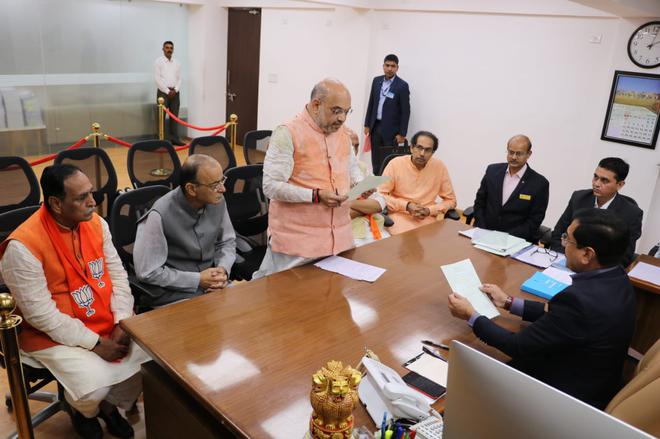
pixel 430 367
pixel 470 232
pixel 563 276
pixel 538 257
pixel 370 182
pixel 349 268
pixel 646 272
pixel 463 279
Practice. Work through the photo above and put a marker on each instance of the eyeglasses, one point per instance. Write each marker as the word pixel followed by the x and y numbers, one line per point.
pixel 338 111
pixel 565 240
pixel 516 153
pixel 215 185
pixel 546 251
pixel 420 148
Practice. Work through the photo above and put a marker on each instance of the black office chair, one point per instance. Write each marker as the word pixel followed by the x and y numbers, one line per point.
pixel 126 210
pixel 248 210
pixel 35 377
pixel 20 187
pixel 96 164
pixel 451 213
pixel 251 141
pixel 153 162
pixel 215 146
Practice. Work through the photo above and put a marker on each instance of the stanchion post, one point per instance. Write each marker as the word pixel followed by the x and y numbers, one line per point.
pixel 161 118
pixel 233 119
pixel 8 325
pixel 96 137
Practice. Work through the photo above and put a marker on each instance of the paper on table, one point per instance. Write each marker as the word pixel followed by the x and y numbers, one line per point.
pixel 646 272
pixel 470 232
pixel 349 268
pixel 538 257
pixel 430 367
pixel 563 276
pixel 463 280
pixel 370 182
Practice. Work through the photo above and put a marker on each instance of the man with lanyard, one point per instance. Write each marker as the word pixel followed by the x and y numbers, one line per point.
pixel 71 288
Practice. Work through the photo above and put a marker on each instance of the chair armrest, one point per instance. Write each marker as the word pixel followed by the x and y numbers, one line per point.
pixel 453 215
pixel 545 235
pixel 468 213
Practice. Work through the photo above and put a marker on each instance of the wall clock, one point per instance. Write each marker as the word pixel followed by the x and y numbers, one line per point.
pixel 644 45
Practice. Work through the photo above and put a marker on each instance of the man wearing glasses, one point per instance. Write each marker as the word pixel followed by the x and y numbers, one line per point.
pixel 609 178
pixel 185 245
pixel 577 342
pixel 512 196
pixel 416 182
pixel 308 170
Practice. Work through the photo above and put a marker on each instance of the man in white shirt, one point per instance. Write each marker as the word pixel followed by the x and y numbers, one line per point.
pixel 168 81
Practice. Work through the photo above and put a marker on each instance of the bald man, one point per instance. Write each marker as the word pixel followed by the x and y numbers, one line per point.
pixel 308 170
pixel 186 245
pixel 513 197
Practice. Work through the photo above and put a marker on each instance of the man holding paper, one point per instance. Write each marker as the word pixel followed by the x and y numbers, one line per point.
pixel 417 181
pixel 308 171
pixel 578 341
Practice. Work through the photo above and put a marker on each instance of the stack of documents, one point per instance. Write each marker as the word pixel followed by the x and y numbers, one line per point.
pixel 349 268
pixel 499 243
pixel 463 279
pixel 646 272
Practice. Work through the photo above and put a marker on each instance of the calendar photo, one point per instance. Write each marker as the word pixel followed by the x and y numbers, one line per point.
pixel 633 110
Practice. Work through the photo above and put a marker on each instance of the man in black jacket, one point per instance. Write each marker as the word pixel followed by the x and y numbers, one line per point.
pixel 512 196
pixel 578 341
pixel 609 178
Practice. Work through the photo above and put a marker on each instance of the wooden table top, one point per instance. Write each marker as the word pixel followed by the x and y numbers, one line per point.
pixel 642 284
pixel 248 354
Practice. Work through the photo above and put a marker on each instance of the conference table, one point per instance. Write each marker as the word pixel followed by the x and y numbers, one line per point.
pixel 240 362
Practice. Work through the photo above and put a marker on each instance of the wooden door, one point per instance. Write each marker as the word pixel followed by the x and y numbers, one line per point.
pixel 244 33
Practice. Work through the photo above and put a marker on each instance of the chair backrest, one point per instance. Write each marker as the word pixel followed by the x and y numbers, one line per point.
pixel 9 221
pixel 20 187
pixel 637 403
pixel 153 162
pixel 388 159
pixel 126 210
pixel 255 144
pixel 215 146
pixel 246 202
pixel 96 164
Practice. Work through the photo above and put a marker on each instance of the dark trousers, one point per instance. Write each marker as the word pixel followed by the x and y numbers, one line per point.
pixel 381 147
pixel 171 129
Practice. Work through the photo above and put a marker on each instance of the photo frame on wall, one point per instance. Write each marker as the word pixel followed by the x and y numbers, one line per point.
pixel 633 111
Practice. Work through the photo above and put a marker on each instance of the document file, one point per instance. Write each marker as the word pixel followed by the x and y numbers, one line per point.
pixel 463 279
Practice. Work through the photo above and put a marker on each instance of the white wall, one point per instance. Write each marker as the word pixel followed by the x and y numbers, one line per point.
pixel 301 47
pixel 207 26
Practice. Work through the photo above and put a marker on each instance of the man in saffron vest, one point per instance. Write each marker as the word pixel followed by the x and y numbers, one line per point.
pixel 69 284
pixel 308 170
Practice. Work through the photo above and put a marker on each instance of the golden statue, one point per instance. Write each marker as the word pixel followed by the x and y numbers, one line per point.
pixel 333 398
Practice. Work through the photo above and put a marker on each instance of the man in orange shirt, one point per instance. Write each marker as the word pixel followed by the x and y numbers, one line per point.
pixel 417 181
pixel 71 288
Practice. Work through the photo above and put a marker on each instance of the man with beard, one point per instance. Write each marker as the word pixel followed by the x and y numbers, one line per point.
pixel 308 170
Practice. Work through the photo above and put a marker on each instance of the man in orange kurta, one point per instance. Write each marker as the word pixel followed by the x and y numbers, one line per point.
pixel 419 191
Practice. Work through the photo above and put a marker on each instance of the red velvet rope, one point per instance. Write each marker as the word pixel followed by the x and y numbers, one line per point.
pixel 52 156
pixel 178 148
pixel 117 141
pixel 220 127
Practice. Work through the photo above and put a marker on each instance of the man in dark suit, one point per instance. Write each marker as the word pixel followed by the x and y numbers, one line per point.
pixel 512 196
pixel 609 178
pixel 388 112
pixel 578 341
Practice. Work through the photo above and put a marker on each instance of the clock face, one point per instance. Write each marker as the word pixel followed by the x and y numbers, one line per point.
pixel 644 45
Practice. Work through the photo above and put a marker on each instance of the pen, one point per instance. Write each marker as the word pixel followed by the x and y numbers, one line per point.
pixel 435 345
pixel 431 353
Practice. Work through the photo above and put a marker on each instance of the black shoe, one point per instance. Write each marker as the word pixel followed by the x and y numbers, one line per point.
pixel 87 428
pixel 117 425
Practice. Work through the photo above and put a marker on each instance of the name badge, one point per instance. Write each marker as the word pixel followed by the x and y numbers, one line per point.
pixel 389 94
pixel 525 197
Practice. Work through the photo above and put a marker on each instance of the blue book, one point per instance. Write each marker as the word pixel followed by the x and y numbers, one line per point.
pixel 543 286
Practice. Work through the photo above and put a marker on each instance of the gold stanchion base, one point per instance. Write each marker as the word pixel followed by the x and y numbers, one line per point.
pixel 160 172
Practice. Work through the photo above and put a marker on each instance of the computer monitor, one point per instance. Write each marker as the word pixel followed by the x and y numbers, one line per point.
pixel 488 399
